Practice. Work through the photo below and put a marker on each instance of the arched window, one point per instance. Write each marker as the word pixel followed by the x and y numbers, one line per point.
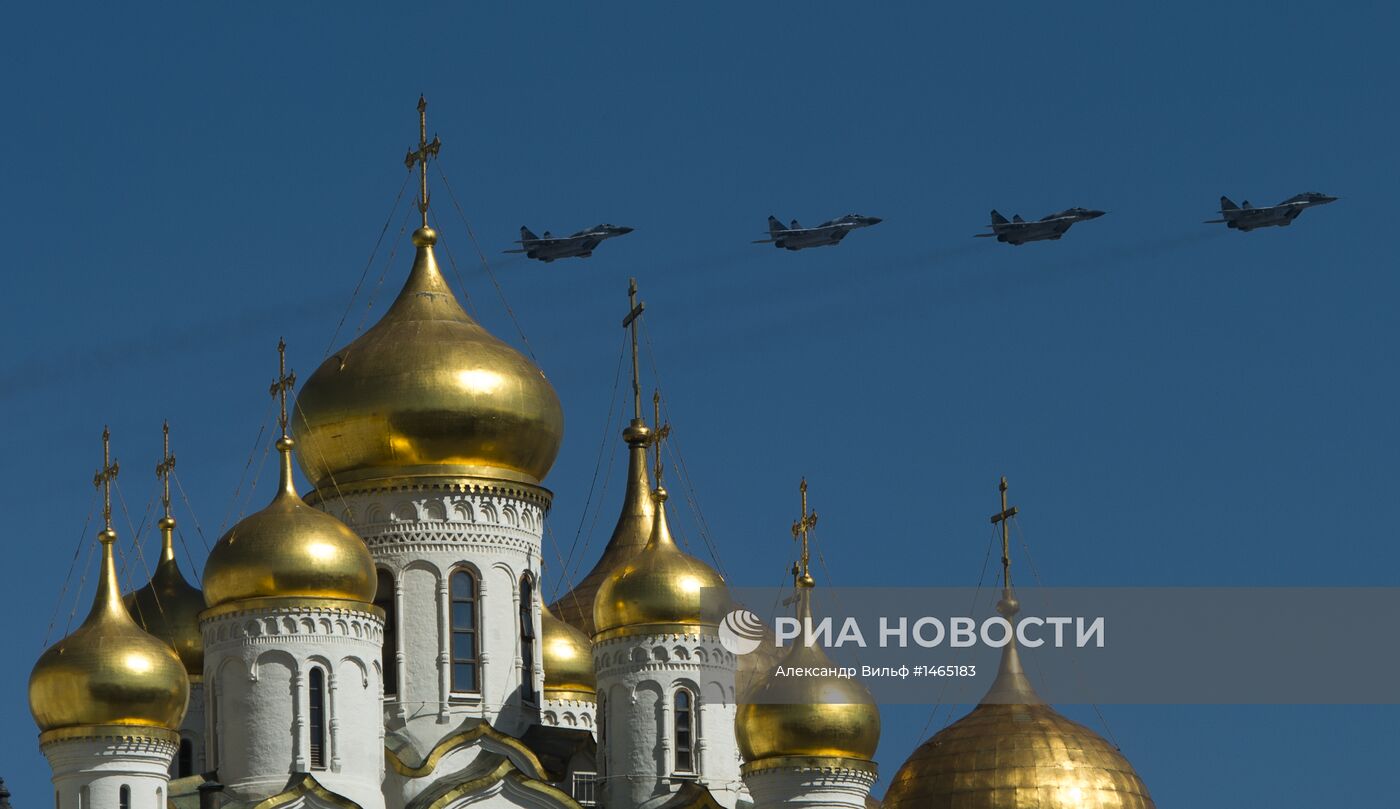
pixel 684 716
pixel 124 797
pixel 184 761
pixel 384 599
pixel 464 631
pixel 317 718
pixel 527 638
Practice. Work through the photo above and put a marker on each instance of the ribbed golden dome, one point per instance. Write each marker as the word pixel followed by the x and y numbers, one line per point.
pixel 168 607
pixel 427 392
pixel 830 717
pixel 289 549
pixel 630 535
pixel 109 671
pixel 1015 752
pixel 660 589
pixel 568 659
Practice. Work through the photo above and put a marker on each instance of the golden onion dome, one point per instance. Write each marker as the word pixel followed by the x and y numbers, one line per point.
pixel 1013 750
pixel 568 660
pixel 168 607
pixel 828 717
pixel 660 589
pixel 427 392
pixel 289 549
pixel 109 671
pixel 630 535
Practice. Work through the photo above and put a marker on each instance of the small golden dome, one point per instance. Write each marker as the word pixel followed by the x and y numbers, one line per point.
pixel 630 535
pixel 109 671
pixel 427 392
pixel 661 588
pixel 829 717
pixel 1014 750
pixel 568 658
pixel 289 549
pixel 168 607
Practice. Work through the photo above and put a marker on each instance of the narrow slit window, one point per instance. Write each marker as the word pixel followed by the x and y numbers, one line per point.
pixel 464 632
pixel 317 718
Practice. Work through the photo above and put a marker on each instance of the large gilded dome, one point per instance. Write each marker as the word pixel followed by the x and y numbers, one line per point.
pixel 427 392
pixel 661 589
pixel 1015 752
pixel 289 549
pixel 168 607
pixel 568 660
pixel 109 671
pixel 828 717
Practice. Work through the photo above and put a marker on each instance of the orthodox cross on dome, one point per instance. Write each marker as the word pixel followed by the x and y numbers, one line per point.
pixel 802 571
pixel 104 477
pixel 285 382
pixel 1004 517
pixel 420 157
pixel 165 468
pixel 630 323
pixel 663 431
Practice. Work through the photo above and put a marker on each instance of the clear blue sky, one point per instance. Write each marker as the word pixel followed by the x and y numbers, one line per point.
pixel 1173 404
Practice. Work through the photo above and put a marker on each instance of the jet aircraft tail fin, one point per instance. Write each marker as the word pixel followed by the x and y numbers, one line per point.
pixel 1246 205
pixel 1227 205
pixel 998 219
pixel 774 226
pixel 1017 219
pixel 526 234
pixel 795 225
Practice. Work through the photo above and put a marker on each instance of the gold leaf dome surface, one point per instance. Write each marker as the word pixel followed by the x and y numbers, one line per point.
pixel 109 671
pixel 807 716
pixel 629 537
pixel 427 392
pixel 289 549
pixel 1015 752
pixel 168 607
pixel 568 658
pixel 661 588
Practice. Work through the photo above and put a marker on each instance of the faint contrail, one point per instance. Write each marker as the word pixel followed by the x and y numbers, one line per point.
pixel 40 372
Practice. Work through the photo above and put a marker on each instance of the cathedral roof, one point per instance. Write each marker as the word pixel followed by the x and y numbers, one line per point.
pixel 628 538
pixel 427 392
pixel 659 589
pixel 1013 750
pixel 109 671
pixel 168 606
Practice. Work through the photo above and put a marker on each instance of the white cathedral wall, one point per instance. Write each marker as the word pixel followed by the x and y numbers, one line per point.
pixel 89 773
pixel 421 535
pixel 568 713
pixel 192 728
pixel 638 677
pixel 810 785
pixel 259 661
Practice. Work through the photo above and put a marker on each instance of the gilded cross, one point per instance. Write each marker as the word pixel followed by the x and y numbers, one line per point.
pixel 800 529
pixel 663 431
pixel 1004 517
pixel 630 323
pixel 420 157
pixel 165 468
pixel 285 382
pixel 104 477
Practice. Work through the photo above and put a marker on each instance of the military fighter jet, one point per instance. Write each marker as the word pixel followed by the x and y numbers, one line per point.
pixel 1018 231
pixel 1246 217
pixel 548 247
pixel 796 237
